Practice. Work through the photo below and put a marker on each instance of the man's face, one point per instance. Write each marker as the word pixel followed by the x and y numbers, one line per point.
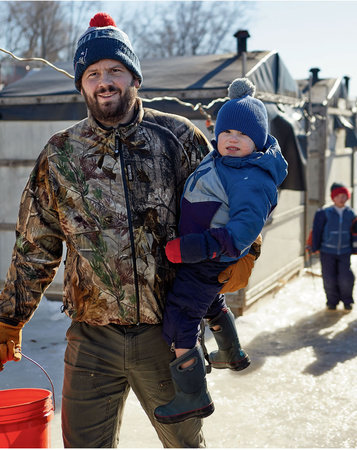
pixel 110 90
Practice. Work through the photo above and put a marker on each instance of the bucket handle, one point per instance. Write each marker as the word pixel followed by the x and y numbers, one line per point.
pixel 49 379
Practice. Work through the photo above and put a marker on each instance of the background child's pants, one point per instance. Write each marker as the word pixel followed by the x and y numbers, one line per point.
pixel 338 278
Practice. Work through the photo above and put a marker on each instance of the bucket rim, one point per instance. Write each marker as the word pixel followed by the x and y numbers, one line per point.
pixel 45 397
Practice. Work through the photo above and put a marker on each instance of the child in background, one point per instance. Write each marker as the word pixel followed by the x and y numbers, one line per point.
pixel 332 236
pixel 224 207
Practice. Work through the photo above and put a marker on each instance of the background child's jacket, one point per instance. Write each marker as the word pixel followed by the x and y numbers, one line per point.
pixel 332 232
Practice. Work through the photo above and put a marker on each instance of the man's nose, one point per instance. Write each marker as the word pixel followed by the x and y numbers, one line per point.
pixel 105 79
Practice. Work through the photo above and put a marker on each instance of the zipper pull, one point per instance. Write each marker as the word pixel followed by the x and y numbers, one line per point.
pixel 117 145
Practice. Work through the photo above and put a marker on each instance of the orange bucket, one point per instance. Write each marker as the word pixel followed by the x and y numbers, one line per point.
pixel 24 418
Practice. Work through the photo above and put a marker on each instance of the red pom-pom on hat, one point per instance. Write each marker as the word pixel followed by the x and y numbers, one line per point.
pixel 102 20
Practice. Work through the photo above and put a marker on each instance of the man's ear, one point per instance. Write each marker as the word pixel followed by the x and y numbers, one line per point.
pixel 136 83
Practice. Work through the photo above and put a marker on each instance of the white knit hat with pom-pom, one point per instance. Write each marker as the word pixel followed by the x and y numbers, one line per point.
pixel 244 113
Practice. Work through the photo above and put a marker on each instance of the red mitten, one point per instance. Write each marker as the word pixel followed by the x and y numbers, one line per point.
pixel 173 251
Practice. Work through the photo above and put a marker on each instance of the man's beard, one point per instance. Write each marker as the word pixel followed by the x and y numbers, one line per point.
pixel 113 113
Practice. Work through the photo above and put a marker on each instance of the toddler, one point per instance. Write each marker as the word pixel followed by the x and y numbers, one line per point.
pixel 224 207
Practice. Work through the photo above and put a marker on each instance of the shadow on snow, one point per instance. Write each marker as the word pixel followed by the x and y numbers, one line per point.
pixel 312 331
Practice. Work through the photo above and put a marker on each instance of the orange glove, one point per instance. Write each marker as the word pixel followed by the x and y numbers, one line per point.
pixel 236 276
pixel 10 343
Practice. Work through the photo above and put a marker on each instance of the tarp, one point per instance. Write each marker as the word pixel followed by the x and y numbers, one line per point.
pixel 293 143
pixel 202 72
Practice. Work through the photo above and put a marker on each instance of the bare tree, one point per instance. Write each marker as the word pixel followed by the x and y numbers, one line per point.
pixel 176 28
pixel 45 29
pixel 79 14
pixel 50 29
pixel 36 28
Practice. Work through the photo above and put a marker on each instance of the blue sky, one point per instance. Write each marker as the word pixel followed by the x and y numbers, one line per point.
pixel 309 34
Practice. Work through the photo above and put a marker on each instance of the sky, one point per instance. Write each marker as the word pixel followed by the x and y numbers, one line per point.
pixel 309 34
pixel 306 34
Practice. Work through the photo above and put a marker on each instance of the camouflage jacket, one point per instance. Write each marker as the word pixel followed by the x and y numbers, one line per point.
pixel 113 197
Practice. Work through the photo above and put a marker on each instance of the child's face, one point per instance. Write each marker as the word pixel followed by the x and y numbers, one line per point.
pixel 234 143
pixel 340 200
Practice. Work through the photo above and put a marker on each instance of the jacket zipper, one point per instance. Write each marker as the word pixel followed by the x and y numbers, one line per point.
pixel 340 230
pixel 339 233
pixel 118 151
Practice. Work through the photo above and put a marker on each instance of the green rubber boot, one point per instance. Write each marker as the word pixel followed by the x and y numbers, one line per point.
pixel 192 398
pixel 229 354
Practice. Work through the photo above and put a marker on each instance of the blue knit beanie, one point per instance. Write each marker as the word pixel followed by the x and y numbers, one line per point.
pixel 103 40
pixel 244 113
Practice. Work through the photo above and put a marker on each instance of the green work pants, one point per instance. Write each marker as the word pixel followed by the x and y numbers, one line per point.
pixel 102 363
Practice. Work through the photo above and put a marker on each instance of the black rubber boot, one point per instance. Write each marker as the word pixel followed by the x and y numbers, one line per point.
pixel 229 354
pixel 192 398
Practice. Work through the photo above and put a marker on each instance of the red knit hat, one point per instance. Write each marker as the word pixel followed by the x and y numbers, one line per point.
pixel 338 188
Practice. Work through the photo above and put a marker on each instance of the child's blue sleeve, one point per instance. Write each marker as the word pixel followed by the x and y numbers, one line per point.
pixel 317 229
pixel 250 204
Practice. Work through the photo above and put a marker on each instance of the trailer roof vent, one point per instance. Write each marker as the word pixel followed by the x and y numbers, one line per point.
pixel 315 74
pixel 241 36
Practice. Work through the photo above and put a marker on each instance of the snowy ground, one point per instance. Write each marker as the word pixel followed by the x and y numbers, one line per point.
pixel 300 390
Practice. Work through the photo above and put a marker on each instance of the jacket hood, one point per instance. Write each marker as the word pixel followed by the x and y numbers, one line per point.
pixel 271 160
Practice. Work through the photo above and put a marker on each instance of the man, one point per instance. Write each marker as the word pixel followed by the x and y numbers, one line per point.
pixel 109 187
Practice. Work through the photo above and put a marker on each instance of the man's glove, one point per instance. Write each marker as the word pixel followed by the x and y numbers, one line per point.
pixel 10 343
pixel 193 248
pixel 237 275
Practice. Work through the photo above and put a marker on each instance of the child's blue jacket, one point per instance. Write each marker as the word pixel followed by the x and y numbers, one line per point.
pixel 233 197
pixel 331 233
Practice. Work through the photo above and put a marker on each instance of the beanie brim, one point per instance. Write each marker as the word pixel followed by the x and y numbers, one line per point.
pixel 340 190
